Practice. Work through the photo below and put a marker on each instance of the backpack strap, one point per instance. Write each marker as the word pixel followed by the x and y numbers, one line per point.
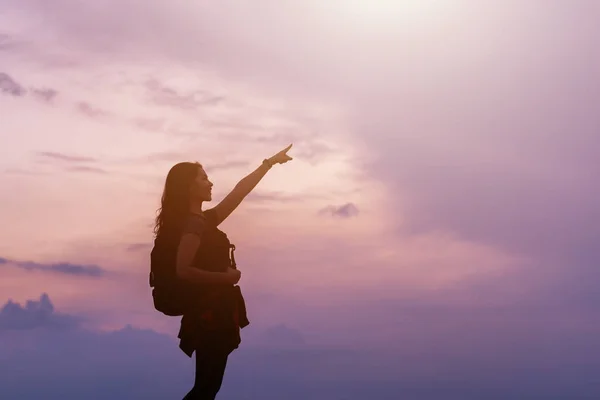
pixel 232 255
pixel 151 276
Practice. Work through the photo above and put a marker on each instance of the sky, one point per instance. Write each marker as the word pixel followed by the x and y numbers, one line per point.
pixel 433 238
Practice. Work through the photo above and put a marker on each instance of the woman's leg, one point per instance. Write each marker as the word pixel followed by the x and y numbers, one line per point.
pixel 210 369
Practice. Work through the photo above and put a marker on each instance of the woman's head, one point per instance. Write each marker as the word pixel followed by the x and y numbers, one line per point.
pixel 186 186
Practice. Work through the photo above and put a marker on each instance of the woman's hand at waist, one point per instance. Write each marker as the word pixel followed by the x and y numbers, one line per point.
pixel 232 276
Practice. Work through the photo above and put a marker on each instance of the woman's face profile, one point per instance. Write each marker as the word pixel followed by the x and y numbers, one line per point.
pixel 201 189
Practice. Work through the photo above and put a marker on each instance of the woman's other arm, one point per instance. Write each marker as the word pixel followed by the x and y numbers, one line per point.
pixel 185 255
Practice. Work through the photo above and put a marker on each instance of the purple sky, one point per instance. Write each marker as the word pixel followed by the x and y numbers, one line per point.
pixel 434 237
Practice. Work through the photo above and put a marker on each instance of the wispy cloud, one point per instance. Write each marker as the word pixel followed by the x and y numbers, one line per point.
pixel 179 156
pixel 11 87
pixel 280 197
pixel 88 110
pixel 347 210
pixel 7 42
pixel 313 151
pixel 88 169
pixel 25 172
pixel 139 246
pixel 65 268
pixel 226 165
pixel 69 158
pixel 70 162
pixel 45 94
pixel 163 95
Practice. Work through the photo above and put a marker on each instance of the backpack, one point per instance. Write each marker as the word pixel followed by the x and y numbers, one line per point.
pixel 173 296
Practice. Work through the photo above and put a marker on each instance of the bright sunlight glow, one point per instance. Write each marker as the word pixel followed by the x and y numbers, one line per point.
pixel 374 14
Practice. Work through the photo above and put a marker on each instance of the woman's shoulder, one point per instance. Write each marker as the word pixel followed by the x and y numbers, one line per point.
pixel 194 223
pixel 198 223
pixel 210 216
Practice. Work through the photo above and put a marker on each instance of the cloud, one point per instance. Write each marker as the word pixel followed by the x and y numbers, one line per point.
pixel 313 151
pixel 85 168
pixel 493 143
pixel 7 42
pixel 150 124
pixel 275 55
pixel 90 111
pixel 498 148
pixel 9 86
pixel 226 165
pixel 438 352
pixel 162 95
pixel 71 162
pixel 21 171
pixel 140 246
pixel 35 314
pixel 347 210
pixel 161 156
pixel 261 196
pixel 92 271
pixel 186 155
pixel 46 94
pixel 66 360
pixel 450 141
pixel 61 157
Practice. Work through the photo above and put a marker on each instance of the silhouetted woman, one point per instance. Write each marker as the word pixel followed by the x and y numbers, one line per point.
pixel 211 323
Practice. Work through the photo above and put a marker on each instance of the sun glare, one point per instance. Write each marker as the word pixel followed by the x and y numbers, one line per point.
pixel 374 14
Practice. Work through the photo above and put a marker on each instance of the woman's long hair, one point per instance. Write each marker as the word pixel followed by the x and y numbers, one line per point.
pixel 175 201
